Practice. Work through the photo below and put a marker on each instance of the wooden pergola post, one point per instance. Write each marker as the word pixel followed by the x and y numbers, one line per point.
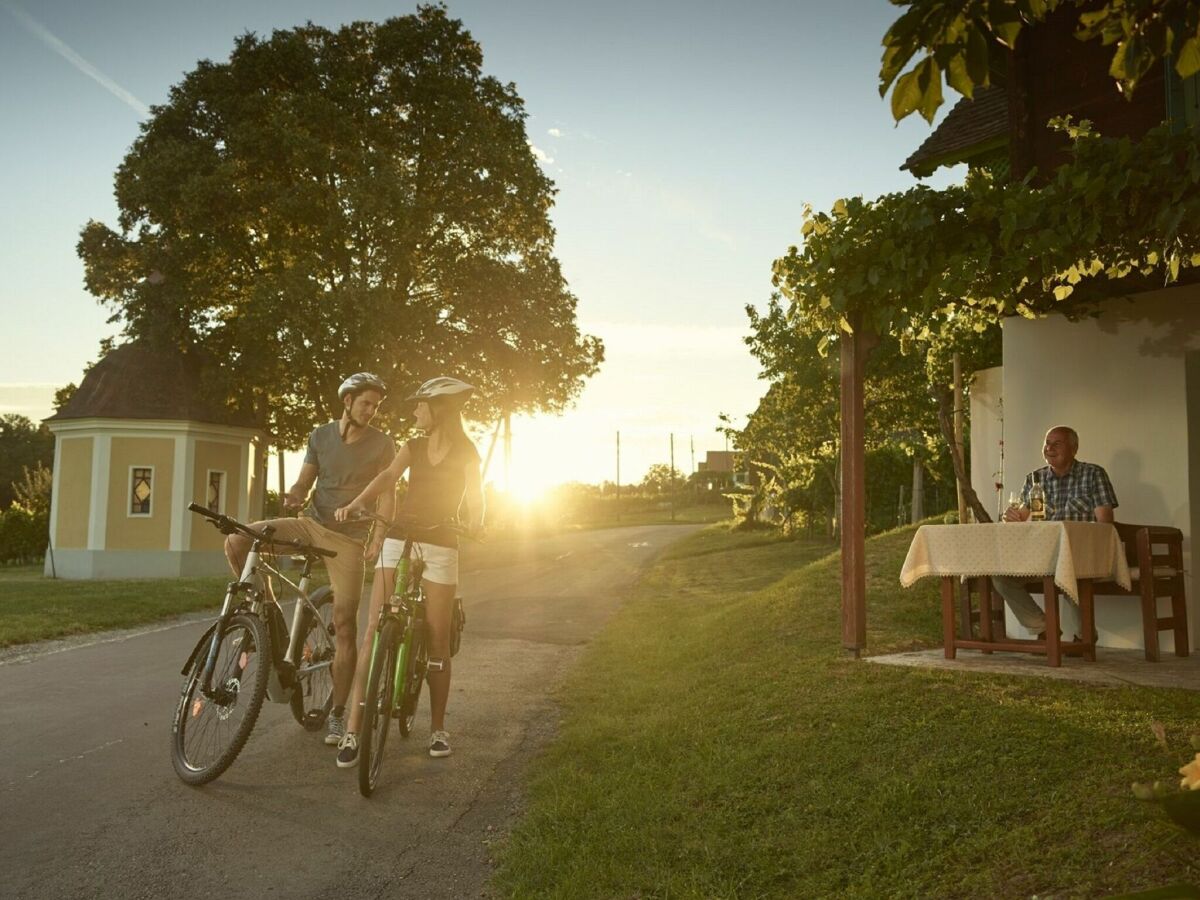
pixel 855 348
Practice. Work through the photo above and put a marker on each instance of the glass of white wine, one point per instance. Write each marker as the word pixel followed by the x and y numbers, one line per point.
pixel 1014 502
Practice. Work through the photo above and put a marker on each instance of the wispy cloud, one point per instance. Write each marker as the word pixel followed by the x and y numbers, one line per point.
pixel 554 132
pixel 34 401
pixel 540 154
pixel 48 38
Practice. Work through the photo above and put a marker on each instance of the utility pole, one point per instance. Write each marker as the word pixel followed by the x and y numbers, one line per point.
pixel 692 479
pixel 672 482
pixel 618 476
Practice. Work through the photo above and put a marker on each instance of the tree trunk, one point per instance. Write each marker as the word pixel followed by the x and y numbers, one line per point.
pixel 945 402
pixel 918 490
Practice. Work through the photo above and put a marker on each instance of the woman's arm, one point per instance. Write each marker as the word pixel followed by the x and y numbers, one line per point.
pixel 385 508
pixel 384 481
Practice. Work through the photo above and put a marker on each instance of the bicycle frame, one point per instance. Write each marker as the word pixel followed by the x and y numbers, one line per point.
pixel 406 605
pixel 248 584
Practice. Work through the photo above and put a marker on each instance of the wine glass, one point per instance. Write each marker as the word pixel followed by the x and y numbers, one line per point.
pixel 1014 501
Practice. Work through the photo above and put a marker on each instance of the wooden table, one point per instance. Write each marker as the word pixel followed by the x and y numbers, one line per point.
pixel 1062 555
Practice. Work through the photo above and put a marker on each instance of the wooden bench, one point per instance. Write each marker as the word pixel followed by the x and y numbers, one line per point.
pixel 1154 575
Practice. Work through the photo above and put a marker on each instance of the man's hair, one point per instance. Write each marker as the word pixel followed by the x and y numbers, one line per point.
pixel 1071 433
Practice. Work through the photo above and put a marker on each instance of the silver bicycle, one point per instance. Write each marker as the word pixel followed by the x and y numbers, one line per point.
pixel 250 654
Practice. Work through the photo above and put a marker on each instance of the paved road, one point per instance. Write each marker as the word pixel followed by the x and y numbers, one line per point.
pixel 89 804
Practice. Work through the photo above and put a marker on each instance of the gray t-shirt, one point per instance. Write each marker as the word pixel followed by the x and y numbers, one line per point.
pixel 343 470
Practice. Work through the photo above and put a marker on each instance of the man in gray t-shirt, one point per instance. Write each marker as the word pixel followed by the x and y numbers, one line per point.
pixel 343 469
pixel 342 458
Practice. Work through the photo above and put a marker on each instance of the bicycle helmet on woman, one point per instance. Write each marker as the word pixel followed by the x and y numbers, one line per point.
pixel 443 389
pixel 362 381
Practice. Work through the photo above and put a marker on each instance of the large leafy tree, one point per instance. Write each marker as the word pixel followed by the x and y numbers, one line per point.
pixel 330 201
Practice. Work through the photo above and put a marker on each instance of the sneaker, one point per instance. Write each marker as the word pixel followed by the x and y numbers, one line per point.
pixel 439 743
pixel 347 757
pixel 337 730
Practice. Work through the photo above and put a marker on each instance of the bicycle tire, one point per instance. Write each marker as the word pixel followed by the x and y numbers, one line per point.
pixel 313 697
pixel 377 709
pixel 202 747
pixel 414 679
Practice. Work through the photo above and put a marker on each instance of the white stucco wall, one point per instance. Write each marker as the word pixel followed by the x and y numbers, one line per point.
pixel 1121 381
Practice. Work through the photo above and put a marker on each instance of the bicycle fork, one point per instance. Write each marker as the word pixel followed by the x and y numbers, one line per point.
pixel 244 585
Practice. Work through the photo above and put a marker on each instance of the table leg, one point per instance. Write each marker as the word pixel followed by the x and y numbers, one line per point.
pixel 985 610
pixel 964 608
pixel 948 615
pixel 1087 613
pixel 1053 641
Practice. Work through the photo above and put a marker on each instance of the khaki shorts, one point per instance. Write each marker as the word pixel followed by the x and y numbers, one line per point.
pixel 345 570
pixel 441 563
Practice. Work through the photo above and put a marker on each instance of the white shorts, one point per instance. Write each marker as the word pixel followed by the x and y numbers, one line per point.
pixel 441 563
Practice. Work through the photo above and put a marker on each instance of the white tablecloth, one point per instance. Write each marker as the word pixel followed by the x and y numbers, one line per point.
pixel 1067 550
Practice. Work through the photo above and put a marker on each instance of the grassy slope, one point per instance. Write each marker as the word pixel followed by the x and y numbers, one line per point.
pixel 717 742
pixel 34 608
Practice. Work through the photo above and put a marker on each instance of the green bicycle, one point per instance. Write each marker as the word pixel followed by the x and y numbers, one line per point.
pixel 399 659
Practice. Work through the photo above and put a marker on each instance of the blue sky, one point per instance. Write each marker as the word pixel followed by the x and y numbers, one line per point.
pixel 684 138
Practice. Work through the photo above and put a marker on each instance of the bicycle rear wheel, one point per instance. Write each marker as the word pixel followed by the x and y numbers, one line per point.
pixel 377 712
pixel 313 696
pixel 414 679
pixel 210 728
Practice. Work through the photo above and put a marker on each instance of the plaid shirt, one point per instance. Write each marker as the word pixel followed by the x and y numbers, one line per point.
pixel 1075 496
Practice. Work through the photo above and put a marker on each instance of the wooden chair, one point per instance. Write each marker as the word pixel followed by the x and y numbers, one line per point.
pixel 1154 575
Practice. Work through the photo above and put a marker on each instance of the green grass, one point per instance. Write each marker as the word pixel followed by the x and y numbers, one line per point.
pixel 34 608
pixel 716 741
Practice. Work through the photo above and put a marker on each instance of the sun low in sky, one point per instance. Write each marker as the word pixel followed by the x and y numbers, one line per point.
pixel 684 139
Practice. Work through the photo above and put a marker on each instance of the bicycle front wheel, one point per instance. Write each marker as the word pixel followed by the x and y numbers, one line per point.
pixel 313 697
pixel 377 712
pixel 414 680
pixel 211 727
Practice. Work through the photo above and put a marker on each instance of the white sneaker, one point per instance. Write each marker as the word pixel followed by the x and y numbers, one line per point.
pixel 337 730
pixel 439 743
pixel 347 757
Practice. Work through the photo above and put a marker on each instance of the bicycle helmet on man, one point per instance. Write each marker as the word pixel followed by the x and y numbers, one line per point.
pixel 362 381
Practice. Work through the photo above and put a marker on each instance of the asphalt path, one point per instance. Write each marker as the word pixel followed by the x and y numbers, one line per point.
pixel 90 806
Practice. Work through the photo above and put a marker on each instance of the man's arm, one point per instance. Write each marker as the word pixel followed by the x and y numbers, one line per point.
pixel 298 492
pixel 1106 497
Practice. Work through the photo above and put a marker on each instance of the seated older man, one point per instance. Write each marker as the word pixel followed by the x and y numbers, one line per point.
pixel 1076 491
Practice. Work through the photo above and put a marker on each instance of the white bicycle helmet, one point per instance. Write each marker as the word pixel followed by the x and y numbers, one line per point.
pixel 362 381
pixel 445 388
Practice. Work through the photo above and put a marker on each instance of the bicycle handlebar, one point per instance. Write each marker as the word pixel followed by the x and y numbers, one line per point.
pixel 409 524
pixel 228 525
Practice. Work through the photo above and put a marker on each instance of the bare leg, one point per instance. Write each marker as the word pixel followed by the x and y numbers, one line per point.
pixel 345 626
pixel 237 548
pixel 381 589
pixel 440 599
